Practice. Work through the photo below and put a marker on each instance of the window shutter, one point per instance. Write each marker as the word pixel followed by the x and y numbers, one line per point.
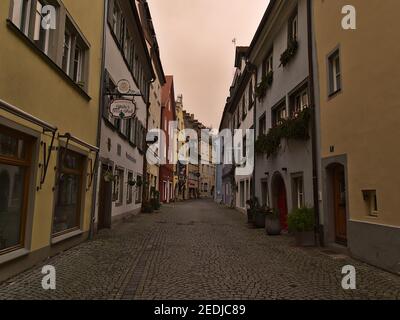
pixel 110 11
pixel 107 99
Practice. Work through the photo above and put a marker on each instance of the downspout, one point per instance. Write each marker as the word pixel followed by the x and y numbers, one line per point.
pixel 146 185
pixel 315 158
pixel 101 106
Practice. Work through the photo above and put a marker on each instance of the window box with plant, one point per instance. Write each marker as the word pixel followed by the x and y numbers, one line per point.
pixel 290 52
pixel 295 128
pixel 264 85
pixel 301 223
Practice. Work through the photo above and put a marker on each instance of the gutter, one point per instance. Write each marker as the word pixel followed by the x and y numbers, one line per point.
pixel 101 106
pixel 318 228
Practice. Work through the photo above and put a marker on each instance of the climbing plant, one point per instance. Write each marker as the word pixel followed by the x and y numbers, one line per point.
pixel 264 85
pixel 295 128
pixel 289 53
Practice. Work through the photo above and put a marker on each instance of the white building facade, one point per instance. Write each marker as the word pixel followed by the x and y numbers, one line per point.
pixel 122 156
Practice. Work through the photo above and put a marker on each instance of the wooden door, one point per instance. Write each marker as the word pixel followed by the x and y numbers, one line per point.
pixel 105 201
pixel 340 205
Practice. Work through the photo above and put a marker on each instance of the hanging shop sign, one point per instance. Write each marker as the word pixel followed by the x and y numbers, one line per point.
pixel 123 109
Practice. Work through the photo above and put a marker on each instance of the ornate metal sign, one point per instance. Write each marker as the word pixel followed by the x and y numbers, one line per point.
pixel 123 109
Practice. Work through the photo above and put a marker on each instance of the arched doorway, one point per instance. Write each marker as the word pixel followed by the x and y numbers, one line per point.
pixel 279 198
pixel 338 201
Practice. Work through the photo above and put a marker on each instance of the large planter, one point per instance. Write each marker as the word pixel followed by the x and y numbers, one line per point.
pixel 273 226
pixel 250 216
pixel 259 219
pixel 305 238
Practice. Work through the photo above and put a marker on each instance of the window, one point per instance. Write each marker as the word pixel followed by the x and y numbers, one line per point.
pixel 67 211
pixel 78 56
pixel 371 201
pixel 265 193
pixel 245 103
pixel 40 35
pixel 299 102
pixel 74 54
pixel 28 16
pixel 21 14
pixel 66 52
pixel 118 186
pixel 293 27
pixel 267 65
pixel 262 125
pixel 251 94
pixel 15 153
pixel 129 196
pixel 298 191
pixel 115 17
pixel 335 80
pixel 278 115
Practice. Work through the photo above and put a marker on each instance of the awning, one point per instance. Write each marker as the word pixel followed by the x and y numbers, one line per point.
pixel 46 128
pixel 26 116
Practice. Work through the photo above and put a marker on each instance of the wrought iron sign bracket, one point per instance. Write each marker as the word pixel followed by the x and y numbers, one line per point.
pixel 46 157
pixel 118 95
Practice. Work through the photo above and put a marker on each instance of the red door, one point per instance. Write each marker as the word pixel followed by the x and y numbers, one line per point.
pixel 282 206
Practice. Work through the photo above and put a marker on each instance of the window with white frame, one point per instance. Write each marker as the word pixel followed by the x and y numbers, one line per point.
pixel 293 27
pixel 335 79
pixel 299 102
pixel 118 186
pixel 298 191
pixel 74 54
pixel 41 36
pixel 21 14
pixel 279 114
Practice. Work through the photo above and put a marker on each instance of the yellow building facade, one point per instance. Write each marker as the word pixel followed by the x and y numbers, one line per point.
pixel 49 105
pixel 358 98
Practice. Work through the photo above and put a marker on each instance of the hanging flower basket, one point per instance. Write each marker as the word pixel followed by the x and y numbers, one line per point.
pixel 109 177
pixel 131 183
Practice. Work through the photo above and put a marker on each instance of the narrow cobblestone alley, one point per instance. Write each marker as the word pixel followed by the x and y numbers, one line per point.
pixel 197 250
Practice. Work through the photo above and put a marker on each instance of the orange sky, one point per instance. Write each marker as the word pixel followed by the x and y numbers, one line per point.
pixel 195 39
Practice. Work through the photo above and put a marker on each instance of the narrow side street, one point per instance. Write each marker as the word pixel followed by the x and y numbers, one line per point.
pixel 198 250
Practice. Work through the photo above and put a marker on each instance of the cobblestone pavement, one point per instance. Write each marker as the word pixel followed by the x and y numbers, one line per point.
pixel 198 250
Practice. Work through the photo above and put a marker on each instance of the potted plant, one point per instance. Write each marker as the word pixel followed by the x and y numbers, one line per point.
pixel 155 200
pixel 260 216
pixel 273 223
pixel 301 223
pixel 252 206
pixel 131 183
pixel 109 176
pixel 147 207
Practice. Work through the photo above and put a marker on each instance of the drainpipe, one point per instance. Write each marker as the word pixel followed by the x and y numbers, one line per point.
pixel 315 158
pixel 101 106
pixel 145 195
